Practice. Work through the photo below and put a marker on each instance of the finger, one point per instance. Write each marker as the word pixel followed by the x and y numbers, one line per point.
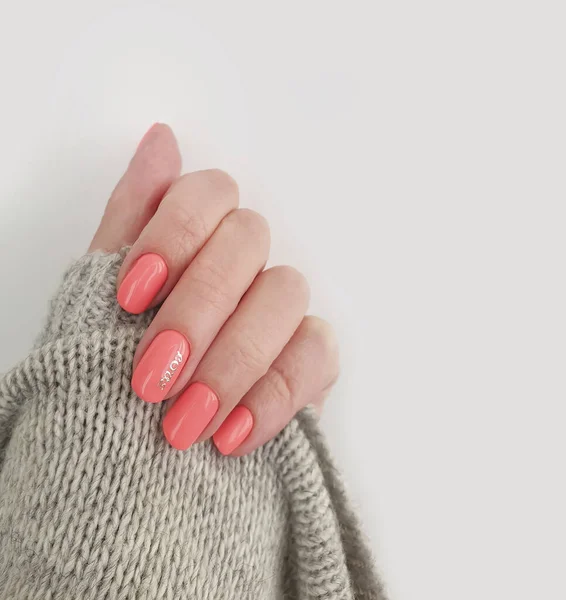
pixel 153 168
pixel 206 295
pixel 187 216
pixel 302 374
pixel 251 339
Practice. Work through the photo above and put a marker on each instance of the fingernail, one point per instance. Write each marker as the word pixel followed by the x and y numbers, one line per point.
pixel 160 366
pixel 189 416
pixel 141 284
pixel 234 430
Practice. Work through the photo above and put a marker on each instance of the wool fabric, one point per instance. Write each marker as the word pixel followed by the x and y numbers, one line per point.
pixel 94 503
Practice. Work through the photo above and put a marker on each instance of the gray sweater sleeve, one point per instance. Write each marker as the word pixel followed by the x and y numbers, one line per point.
pixel 95 504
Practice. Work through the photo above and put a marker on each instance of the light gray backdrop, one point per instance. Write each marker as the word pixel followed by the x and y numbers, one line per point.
pixel 410 157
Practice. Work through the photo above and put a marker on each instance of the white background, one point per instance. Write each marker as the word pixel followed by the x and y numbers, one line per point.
pixel 410 157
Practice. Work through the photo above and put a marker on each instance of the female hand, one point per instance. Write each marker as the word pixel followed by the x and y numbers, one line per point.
pixel 231 340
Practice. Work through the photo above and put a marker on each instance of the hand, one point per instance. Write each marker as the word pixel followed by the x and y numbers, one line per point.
pixel 230 339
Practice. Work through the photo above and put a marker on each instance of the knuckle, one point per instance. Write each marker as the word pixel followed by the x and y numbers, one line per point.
pixel 291 280
pixel 321 333
pixel 207 284
pixel 284 386
pixel 203 185
pixel 324 343
pixel 220 181
pixel 180 184
pixel 250 355
pixel 189 227
pixel 253 224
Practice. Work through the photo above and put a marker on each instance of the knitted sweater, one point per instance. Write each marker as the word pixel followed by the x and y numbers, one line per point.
pixel 95 504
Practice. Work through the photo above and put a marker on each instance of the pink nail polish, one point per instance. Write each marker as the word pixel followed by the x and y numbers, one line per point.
pixel 234 430
pixel 160 366
pixel 189 416
pixel 141 284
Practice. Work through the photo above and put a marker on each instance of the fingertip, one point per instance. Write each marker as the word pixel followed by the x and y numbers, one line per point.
pixel 155 165
pixel 147 135
pixel 234 430
pixel 142 283
pixel 160 144
pixel 189 415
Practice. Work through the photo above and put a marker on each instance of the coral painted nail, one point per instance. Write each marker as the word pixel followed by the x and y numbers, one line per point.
pixel 234 430
pixel 160 366
pixel 189 416
pixel 141 284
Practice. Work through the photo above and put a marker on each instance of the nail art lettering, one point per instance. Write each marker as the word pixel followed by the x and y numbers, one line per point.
pixel 175 364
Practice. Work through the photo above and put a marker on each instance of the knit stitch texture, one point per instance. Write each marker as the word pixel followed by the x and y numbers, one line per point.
pixel 94 504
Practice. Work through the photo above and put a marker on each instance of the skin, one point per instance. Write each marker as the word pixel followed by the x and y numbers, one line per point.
pixel 250 339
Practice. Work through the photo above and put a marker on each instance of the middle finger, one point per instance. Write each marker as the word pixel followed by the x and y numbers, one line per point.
pixel 206 295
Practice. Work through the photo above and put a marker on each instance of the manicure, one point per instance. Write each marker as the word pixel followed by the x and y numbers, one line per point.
pixel 160 366
pixel 142 283
pixel 234 430
pixel 190 415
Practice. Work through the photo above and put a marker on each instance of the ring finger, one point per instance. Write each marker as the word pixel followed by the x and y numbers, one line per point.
pixel 302 374
pixel 240 355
